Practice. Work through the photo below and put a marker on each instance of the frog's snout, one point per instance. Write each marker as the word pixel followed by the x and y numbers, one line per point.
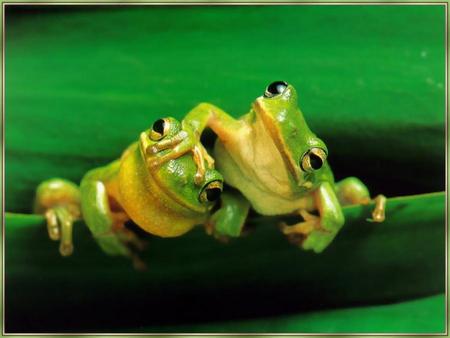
pixel 313 159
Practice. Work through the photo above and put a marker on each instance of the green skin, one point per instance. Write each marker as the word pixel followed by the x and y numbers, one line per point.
pixel 163 199
pixel 261 155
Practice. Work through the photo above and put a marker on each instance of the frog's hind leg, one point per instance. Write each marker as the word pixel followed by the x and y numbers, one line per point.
pixel 317 232
pixel 352 191
pixel 107 222
pixel 59 201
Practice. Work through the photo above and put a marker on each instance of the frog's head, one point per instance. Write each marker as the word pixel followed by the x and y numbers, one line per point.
pixel 176 177
pixel 302 151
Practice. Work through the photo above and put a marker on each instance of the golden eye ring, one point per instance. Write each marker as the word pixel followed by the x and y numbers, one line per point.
pixel 211 192
pixel 313 159
pixel 159 129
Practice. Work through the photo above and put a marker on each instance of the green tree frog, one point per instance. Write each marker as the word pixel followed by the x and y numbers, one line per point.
pixel 272 157
pixel 166 199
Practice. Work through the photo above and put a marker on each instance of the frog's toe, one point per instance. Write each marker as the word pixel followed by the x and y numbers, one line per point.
pixel 123 242
pixel 167 143
pixel 209 160
pixel 199 159
pixel 140 244
pixel 52 225
pixel 378 214
pixel 132 240
pixel 138 263
pixel 66 249
pixel 308 235
pixel 198 177
pixel 302 228
pixel 296 239
pixel 152 150
pixel 60 226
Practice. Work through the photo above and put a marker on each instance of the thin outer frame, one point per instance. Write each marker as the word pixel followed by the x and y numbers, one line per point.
pixel 177 3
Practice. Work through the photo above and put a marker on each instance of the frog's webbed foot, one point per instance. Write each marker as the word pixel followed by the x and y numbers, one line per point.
pixel 352 191
pixel 131 239
pixel 379 212
pixel 59 201
pixel 297 233
pixel 179 144
pixel 135 245
pixel 200 155
pixel 60 226
pixel 122 241
pixel 309 234
pixel 167 143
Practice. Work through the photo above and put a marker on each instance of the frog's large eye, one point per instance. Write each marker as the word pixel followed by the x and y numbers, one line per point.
pixel 275 88
pixel 211 192
pixel 159 129
pixel 313 159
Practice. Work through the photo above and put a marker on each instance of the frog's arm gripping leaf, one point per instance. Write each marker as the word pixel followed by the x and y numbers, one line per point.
pixel 202 116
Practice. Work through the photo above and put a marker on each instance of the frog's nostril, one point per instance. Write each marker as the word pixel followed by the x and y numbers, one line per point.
pixel 316 161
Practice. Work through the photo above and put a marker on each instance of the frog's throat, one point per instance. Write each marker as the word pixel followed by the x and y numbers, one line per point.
pixel 280 144
pixel 149 206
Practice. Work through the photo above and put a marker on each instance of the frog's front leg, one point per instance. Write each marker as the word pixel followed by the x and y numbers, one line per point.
pixel 229 219
pixel 107 227
pixel 200 155
pixel 59 201
pixel 154 158
pixel 317 232
pixel 188 138
pixel 352 191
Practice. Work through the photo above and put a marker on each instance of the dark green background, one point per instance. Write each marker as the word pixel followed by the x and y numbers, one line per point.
pixel 82 82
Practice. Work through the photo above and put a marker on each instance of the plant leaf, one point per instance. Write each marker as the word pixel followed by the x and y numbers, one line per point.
pixel 81 84
pixel 203 280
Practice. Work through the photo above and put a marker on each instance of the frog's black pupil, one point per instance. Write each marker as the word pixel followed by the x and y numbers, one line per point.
pixel 316 161
pixel 277 87
pixel 158 126
pixel 213 194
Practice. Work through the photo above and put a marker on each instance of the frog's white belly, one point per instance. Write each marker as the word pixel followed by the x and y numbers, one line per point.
pixel 251 163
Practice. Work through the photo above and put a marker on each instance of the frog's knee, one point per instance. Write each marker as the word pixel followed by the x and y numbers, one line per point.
pixel 351 183
pixel 56 191
pixel 352 191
